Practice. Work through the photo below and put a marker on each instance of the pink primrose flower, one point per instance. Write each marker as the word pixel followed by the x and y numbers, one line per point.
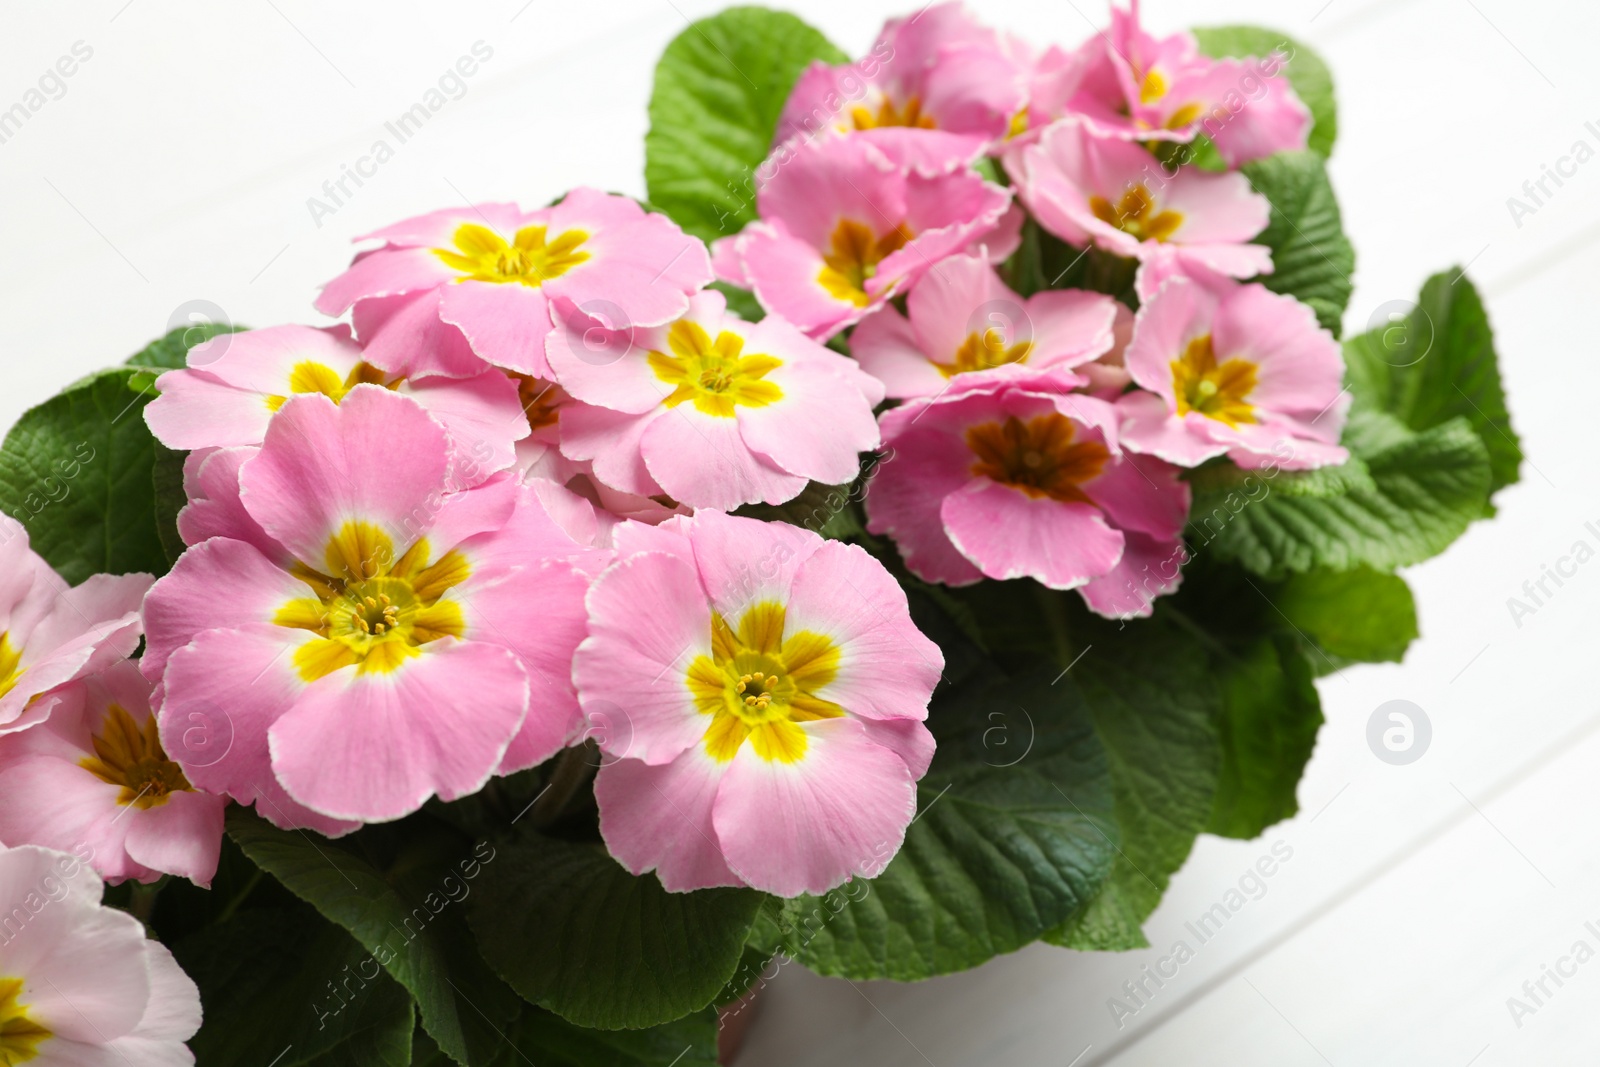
pixel 360 638
pixel 52 633
pixel 1017 481
pixel 936 90
pixel 234 384
pixel 964 321
pixel 844 228
pixel 1114 194
pixel 1246 373
pixel 94 778
pixel 83 985
pixel 453 290
pixel 766 691
pixel 713 411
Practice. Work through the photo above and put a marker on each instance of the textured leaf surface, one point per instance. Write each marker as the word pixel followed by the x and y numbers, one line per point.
pixel 1154 708
pixel 283 982
pixel 719 90
pixel 1359 616
pixel 1439 363
pixel 1015 833
pixel 77 471
pixel 1269 720
pixel 417 936
pixel 1312 259
pixel 1400 500
pixel 572 931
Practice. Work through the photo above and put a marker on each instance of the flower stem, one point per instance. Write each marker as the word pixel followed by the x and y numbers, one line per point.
pixel 142 899
pixel 572 771
pixel 239 898
pixel 1055 619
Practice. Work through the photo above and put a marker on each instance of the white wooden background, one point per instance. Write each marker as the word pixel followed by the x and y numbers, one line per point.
pixel 177 166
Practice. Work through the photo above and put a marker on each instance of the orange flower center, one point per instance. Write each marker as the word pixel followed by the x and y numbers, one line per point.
pixel 1219 392
pixel 1039 457
pixel 890 114
pixel 853 257
pixel 1136 215
pixel 130 756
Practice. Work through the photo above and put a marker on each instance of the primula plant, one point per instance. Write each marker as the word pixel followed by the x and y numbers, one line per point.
pixel 890 544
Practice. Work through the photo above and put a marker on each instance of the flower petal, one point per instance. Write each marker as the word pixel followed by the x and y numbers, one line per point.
pixel 887 668
pixel 375 746
pixel 505 324
pixel 648 621
pixel 376 458
pixel 840 811
pixel 1008 534
pixel 659 818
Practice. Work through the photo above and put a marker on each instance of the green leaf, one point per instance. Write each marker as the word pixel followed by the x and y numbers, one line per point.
pixel 1402 501
pixel 572 931
pixel 1159 731
pixel 828 510
pixel 172 351
pixel 417 936
pixel 1436 364
pixel 284 982
pixel 77 472
pixel 545 1039
pixel 166 479
pixel 550 1041
pixel 742 302
pixel 1306 71
pixel 1269 720
pixel 1312 259
pixel 719 90
pixel 1359 616
pixel 1011 839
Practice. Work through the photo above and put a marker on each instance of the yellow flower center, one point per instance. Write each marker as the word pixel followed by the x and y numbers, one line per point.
pixel 484 256
pixel 983 351
pixel 132 757
pixel 1038 457
pixel 757 684
pixel 371 610
pixel 11 668
pixel 853 256
pixel 1136 215
pixel 891 114
pixel 1184 115
pixel 715 375
pixel 309 376
pixel 20 1036
pixel 1153 87
pixel 1218 392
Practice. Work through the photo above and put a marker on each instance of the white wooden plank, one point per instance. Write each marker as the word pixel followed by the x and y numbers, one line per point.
pixel 189 145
